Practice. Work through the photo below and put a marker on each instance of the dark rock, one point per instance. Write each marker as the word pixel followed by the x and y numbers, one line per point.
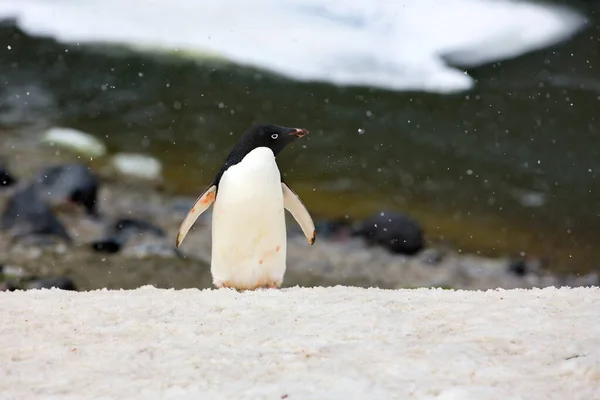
pixel 397 232
pixel 108 245
pixel 73 183
pixel 59 282
pixel 518 267
pixel 121 231
pixel 527 265
pixel 9 286
pixel 27 214
pixel 6 178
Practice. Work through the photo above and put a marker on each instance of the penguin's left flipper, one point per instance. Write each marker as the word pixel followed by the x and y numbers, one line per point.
pixel 294 205
pixel 201 205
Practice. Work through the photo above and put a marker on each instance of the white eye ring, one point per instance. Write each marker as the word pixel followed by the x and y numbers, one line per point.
pixel 274 136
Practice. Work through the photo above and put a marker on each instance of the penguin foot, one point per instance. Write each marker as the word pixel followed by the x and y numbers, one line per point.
pixel 224 285
pixel 273 285
pixel 229 285
pixel 259 285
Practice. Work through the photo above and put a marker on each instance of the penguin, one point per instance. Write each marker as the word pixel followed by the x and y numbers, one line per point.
pixel 249 237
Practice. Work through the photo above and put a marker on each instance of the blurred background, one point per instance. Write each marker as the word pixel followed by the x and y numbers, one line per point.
pixel 477 118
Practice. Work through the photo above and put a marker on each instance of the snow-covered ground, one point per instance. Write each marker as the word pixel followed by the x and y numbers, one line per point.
pixel 317 343
pixel 400 45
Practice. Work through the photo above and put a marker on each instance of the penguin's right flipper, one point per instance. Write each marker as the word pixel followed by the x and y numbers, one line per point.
pixel 294 205
pixel 201 205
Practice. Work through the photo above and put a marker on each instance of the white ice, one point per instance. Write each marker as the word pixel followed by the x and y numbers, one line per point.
pixel 301 343
pixel 396 45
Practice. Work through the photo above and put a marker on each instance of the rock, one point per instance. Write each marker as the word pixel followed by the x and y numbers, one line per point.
pixel 137 165
pixel 121 231
pixel 397 232
pixel 526 265
pixel 26 214
pixel 9 286
pixel 6 178
pixel 108 245
pixel 9 271
pixel 73 182
pixel 59 282
pixel 518 267
pixel 80 142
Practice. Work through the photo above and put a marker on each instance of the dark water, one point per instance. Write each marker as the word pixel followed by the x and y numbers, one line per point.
pixel 509 167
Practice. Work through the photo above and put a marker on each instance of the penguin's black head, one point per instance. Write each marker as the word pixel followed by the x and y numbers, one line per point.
pixel 268 135
pixel 261 135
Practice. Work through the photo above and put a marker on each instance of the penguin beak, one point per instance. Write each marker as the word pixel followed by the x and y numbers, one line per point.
pixel 299 132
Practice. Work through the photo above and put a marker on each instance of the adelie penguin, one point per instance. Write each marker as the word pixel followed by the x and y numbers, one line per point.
pixel 249 242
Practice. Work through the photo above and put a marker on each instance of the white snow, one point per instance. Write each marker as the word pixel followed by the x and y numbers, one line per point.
pixel 301 343
pixel 391 44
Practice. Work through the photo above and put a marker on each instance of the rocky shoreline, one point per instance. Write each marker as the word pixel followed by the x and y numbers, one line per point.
pixel 125 239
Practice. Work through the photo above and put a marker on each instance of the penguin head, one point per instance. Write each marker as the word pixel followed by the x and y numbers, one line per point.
pixel 261 135
pixel 268 135
pixel 264 135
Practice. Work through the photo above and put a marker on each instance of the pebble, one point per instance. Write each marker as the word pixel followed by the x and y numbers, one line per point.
pixel 397 232
pixel 70 183
pixel 26 214
pixel 121 231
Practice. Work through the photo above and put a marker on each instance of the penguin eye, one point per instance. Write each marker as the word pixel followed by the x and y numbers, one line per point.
pixel 274 136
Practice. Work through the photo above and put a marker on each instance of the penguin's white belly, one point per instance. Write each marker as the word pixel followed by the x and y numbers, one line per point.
pixel 248 226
